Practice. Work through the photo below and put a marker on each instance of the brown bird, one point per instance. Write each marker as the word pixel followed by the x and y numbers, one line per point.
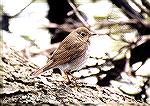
pixel 71 53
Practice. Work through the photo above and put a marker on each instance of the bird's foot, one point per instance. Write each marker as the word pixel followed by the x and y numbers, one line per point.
pixel 70 79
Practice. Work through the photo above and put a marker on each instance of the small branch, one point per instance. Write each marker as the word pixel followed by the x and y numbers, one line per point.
pixel 65 27
pixel 142 39
pixel 125 30
pixel 23 9
pixel 78 14
pixel 128 22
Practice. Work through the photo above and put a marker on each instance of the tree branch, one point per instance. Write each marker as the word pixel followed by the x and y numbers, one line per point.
pixel 141 8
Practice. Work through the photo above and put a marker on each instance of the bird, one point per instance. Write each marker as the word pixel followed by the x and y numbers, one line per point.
pixel 70 55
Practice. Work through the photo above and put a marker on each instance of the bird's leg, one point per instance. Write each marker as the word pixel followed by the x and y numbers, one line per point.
pixel 72 77
pixel 76 84
pixel 65 76
pixel 67 79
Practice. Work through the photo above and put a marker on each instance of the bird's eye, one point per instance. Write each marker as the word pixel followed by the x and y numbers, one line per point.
pixel 83 34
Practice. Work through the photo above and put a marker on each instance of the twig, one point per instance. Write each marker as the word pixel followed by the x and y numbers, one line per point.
pixel 65 27
pixel 23 9
pixel 78 14
pixel 128 22
pixel 142 39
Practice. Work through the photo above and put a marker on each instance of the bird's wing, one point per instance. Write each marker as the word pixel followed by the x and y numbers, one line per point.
pixel 70 50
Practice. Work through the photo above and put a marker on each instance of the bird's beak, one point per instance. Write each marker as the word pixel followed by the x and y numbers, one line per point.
pixel 94 34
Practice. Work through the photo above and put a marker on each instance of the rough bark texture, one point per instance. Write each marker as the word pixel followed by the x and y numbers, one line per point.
pixel 17 88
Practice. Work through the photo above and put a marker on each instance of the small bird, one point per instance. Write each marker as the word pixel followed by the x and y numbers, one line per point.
pixel 71 54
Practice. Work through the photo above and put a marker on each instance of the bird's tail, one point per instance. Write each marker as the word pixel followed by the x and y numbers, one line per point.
pixel 37 72
pixel 41 70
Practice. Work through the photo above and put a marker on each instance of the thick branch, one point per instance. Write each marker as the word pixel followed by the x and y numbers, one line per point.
pixel 141 8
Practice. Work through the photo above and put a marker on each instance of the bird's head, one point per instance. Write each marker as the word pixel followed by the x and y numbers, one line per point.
pixel 83 34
